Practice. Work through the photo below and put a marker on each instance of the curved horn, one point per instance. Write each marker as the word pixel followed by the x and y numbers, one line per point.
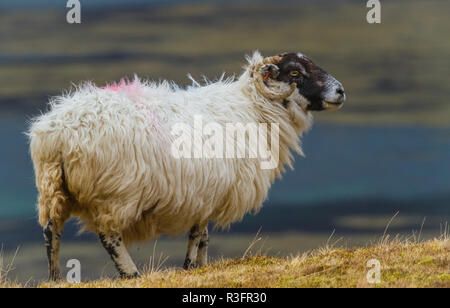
pixel 263 89
pixel 272 60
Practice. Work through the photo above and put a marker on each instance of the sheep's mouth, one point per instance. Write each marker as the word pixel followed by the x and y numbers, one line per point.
pixel 332 105
pixel 321 105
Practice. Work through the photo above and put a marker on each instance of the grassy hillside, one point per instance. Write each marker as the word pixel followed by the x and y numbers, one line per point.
pixel 403 264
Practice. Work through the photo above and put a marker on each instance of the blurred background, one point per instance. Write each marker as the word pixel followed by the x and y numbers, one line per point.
pixel 386 151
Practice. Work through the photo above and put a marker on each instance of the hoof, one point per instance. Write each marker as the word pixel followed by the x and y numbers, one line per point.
pixel 129 276
pixel 188 265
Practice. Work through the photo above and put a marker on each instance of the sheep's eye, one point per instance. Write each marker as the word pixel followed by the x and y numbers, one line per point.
pixel 294 73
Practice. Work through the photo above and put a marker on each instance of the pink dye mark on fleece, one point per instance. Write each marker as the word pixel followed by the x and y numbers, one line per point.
pixel 125 85
pixel 134 91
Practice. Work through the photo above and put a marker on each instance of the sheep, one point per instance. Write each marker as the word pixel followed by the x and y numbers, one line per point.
pixel 103 155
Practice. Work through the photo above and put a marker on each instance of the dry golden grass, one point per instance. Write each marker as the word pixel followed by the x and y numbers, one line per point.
pixel 4 270
pixel 403 264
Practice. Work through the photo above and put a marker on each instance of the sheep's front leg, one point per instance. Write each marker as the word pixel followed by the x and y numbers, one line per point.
pixel 202 254
pixel 193 243
pixel 119 254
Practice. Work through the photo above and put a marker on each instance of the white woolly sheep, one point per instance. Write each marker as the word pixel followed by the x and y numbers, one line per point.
pixel 104 155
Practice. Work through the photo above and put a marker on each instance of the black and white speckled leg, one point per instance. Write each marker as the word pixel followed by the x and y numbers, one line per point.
pixel 202 254
pixel 119 254
pixel 193 243
pixel 52 236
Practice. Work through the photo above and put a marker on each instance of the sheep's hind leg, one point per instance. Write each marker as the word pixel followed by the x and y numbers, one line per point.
pixel 202 254
pixel 119 254
pixel 52 236
pixel 193 243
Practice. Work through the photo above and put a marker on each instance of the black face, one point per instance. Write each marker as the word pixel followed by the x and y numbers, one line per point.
pixel 313 83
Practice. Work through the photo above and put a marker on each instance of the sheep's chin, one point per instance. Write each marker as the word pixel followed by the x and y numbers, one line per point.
pixel 331 106
pixel 324 106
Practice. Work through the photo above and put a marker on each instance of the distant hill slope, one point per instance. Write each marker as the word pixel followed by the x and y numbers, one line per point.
pixel 394 72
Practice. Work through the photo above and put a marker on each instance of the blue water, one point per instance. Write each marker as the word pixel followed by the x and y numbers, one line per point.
pixel 358 162
pixel 17 190
pixel 341 163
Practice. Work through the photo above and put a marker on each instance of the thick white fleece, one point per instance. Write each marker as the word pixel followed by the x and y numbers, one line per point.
pixel 113 144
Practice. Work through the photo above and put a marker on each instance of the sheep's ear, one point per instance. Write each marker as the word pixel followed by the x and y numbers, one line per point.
pixel 270 70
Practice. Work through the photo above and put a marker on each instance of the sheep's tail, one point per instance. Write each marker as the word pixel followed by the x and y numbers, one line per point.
pixel 50 178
